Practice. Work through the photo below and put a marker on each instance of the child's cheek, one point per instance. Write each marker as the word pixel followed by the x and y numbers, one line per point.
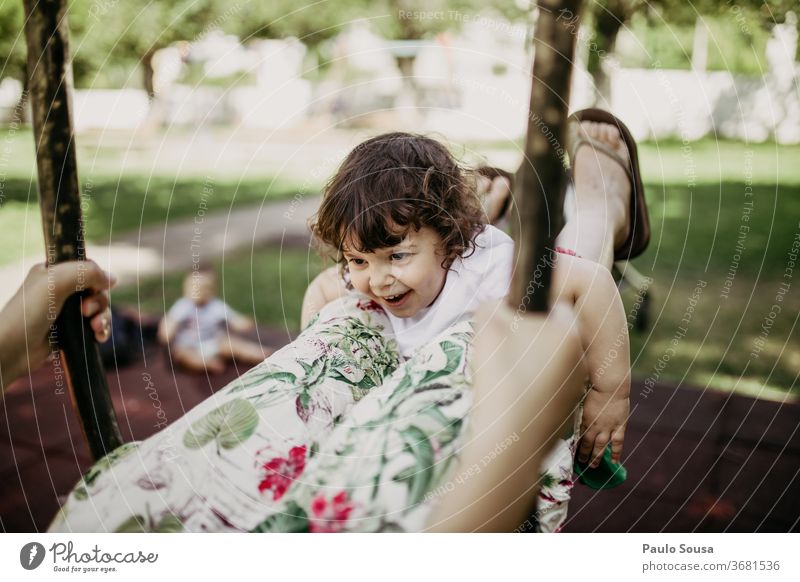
pixel 360 283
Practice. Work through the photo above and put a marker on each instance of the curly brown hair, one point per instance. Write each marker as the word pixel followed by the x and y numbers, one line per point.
pixel 393 183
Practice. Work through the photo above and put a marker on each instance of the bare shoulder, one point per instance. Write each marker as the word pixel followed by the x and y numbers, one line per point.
pixel 330 280
pixel 327 286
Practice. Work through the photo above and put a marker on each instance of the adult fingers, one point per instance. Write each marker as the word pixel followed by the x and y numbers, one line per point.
pixel 94 304
pixel 101 325
pixel 76 276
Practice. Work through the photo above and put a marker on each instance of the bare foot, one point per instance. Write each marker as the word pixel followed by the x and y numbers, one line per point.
pixel 602 187
pixel 193 361
pixel 215 366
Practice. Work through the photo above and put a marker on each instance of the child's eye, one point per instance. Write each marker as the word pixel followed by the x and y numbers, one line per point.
pixel 357 262
pixel 399 256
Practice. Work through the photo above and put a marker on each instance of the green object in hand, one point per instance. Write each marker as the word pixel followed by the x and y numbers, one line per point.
pixel 605 476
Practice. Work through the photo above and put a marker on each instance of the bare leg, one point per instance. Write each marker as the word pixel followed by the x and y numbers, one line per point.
pixel 194 361
pixel 600 219
pixel 243 350
pixel 527 382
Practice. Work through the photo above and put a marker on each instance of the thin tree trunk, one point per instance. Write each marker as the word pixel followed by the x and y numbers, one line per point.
pixel 541 180
pixel 608 22
pixel 406 66
pixel 50 96
pixel 147 74
pixel 700 46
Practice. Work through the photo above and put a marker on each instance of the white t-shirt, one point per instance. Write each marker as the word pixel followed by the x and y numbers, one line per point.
pixel 198 324
pixel 485 274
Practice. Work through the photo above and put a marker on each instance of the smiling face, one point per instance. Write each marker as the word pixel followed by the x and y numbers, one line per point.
pixel 403 279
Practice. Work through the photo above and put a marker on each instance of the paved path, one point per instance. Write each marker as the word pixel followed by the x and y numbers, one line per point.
pixel 177 245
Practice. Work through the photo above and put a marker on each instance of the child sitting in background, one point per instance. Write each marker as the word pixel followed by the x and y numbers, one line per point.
pixel 198 327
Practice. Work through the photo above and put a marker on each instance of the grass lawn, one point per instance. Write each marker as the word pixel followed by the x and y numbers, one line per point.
pixel 701 241
pixel 697 199
pixel 725 294
pixel 116 202
pixel 710 161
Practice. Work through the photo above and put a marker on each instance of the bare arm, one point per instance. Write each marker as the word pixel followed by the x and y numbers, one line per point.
pixel 25 322
pixel 241 324
pixel 326 287
pixel 166 329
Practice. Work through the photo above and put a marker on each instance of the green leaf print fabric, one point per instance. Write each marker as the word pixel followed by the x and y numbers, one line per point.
pixel 331 433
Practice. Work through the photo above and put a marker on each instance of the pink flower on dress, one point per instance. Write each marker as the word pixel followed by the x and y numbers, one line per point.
pixel 330 515
pixel 369 305
pixel 282 472
pixel 546 496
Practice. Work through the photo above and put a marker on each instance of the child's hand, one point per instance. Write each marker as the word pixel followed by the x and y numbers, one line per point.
pixel 604 420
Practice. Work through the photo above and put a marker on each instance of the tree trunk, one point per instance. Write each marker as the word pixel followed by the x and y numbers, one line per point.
pixel 608 22
pixel 700 46
pixel 541 180
pixel 51 107
pixel 406 66
pixel 148 74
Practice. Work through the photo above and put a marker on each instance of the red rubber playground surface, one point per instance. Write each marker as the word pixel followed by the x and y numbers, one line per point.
pixel 697 460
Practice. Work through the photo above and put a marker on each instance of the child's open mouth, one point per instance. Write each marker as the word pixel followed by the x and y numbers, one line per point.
pixel 397 300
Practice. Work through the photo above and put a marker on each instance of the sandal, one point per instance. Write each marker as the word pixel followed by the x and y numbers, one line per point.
pixel 639 236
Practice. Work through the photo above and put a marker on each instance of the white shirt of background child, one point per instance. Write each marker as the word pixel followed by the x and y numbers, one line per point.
pixel 199 323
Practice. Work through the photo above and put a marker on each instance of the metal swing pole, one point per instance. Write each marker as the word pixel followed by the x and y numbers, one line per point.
pixel 49 86
pixel 541 180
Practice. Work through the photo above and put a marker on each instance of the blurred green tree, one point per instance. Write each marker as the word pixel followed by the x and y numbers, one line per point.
pixel 396 20
pixel 414 20
pixel 12 40
pixel 605 18
pixel 111 37
pixel 108 33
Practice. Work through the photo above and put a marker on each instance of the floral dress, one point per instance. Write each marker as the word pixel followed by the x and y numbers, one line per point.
pixel 334 432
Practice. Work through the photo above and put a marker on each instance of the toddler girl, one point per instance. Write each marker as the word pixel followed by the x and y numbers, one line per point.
pixel 405 224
